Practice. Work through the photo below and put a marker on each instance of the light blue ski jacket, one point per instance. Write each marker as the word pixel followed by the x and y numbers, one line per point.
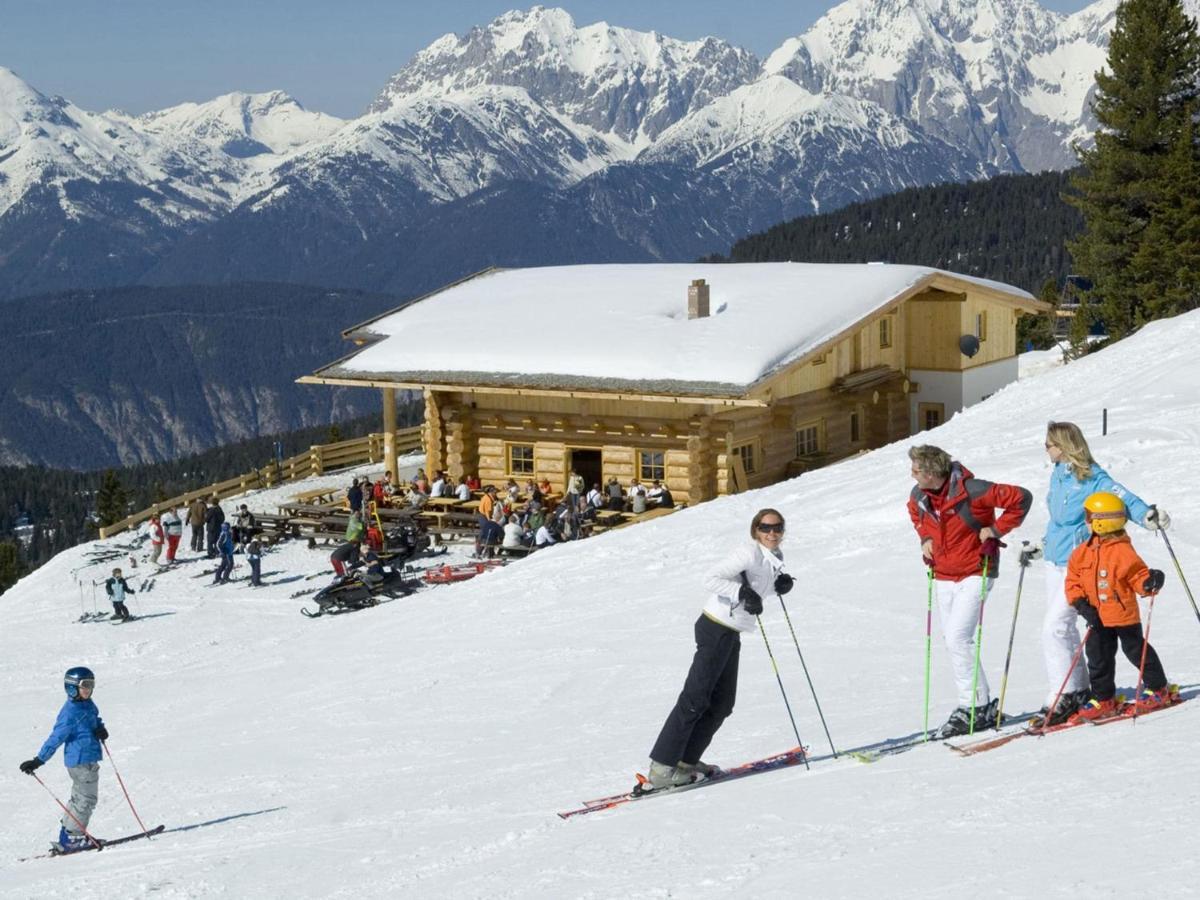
pixel 1067 528
pixel 75 727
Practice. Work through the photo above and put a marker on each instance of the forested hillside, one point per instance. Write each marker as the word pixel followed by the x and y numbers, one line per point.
pixel 1013 228
pixel 129 375
pixel 56 505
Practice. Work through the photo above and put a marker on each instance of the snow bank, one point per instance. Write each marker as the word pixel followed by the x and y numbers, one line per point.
pixel 421 749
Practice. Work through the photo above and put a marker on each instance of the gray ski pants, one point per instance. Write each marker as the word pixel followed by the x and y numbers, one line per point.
pixel 85 787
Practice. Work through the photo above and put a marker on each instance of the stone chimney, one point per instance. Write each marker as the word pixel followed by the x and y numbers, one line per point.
pixel 698 299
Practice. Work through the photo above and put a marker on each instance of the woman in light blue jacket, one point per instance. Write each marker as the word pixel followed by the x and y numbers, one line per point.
pixel 1076 476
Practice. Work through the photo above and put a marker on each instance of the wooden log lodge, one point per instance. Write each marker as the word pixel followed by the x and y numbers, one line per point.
pixel 712 378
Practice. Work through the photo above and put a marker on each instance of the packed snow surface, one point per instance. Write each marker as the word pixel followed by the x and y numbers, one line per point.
pixel 630 321
pixel 422 748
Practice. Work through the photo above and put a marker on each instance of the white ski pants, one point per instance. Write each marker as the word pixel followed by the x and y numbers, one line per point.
pixel 85 789
pixel 958 608
pixel 1060 637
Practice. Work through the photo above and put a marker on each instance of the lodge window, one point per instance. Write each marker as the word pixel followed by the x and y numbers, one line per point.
pixel 749 455
pixel 981 326
pixel 520 459
pixel 885 332
pixel 808 439
pixel 820 360
pixel 931 415
pixel 652 464
pixel 856 425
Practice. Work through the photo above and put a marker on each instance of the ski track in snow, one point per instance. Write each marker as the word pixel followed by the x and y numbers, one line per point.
pixel 422 748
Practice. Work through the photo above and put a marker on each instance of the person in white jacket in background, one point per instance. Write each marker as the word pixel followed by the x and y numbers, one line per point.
pixel 737 586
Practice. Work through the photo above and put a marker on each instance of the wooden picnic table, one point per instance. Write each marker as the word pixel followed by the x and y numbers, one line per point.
pixel 442 502
pixel 323 496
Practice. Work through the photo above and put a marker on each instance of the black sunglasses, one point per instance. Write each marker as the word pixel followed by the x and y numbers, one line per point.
pixel 768 527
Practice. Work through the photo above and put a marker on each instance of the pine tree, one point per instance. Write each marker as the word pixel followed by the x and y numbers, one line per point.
pixel 12 567
pixel 1144 104
pixel 1168 261
pixel 112 500
pixel 1037 331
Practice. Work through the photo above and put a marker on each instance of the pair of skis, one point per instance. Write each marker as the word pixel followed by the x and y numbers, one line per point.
pixel 58 851
pixel 1123 713
pixel 792 757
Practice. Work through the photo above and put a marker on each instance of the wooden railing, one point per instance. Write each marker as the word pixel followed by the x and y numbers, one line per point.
pixel 317 460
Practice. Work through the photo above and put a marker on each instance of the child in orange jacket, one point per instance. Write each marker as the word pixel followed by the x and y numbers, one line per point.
pixel 1105 575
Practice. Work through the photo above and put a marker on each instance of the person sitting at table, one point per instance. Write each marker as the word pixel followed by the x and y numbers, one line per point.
pixel 535 518
pixel 545 535
pixel 368 495
pixel 421 482
pixel 514 535
pixel 659 496
pixel 616 496
pixel 473 482
pixel 512 492
pixel 595 498
pixel 532 491
pixel 463 491
pixel 544 486
pixel 637 497
pixel 439 486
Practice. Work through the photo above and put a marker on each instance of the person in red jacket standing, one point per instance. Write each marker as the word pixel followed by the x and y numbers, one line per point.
pixel 954 514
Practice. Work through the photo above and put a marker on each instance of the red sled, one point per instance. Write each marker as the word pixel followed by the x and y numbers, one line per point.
pixel 448 574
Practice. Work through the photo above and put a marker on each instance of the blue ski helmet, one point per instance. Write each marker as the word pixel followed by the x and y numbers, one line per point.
pixel 75 677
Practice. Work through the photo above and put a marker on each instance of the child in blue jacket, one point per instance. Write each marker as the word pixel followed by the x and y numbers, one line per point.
pixel 80 729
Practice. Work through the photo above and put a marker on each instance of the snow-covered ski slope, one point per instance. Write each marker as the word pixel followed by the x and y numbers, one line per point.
pixel 422 748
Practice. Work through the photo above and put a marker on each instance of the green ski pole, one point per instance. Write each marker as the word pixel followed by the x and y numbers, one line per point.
pixel 928 647
pixel 978 645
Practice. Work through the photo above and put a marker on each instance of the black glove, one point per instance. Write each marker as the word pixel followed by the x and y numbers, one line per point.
pixel 31 765
pixel 783 583
pixel 1029 554
pixel 1154 582
pixel 751 602
pixel 1087 612
pixel 100 732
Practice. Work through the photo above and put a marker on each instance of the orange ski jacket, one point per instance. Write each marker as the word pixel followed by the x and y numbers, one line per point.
pixel 1109 574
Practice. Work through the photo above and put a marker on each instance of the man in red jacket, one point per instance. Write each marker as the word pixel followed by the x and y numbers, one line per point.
pixel 954 514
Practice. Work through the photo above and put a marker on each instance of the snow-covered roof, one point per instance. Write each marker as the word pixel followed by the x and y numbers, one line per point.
pixel 625 327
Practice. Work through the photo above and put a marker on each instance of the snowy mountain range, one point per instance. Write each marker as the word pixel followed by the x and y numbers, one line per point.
pixel 591 143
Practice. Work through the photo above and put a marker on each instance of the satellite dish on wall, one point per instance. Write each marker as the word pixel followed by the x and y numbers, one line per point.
pixel 969 345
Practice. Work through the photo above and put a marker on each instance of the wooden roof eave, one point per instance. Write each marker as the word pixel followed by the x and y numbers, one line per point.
pixel 574 394
pixel 764 386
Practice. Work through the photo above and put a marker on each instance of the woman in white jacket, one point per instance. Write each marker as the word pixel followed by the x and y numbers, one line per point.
pixel 737 585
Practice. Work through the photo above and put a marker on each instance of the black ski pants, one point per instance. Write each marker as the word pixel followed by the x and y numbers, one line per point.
pixel 1101 649
pixel 707 698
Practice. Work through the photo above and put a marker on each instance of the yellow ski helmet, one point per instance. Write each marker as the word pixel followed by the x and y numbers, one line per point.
pixel 1104 512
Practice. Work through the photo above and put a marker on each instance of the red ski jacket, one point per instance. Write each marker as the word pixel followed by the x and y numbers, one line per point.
pixel 953 516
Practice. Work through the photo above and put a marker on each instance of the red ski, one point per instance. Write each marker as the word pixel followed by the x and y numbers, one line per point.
pixel 792 757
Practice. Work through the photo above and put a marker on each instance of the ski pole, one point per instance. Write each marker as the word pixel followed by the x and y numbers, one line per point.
pixel 928 647
pixel 1062 687
pixel 74 819
pixel 788 619
pixel 1179 571
pixel 795 731
pixel 1011 636
pixel 978 645
pixel 1142 666
pixel 121 782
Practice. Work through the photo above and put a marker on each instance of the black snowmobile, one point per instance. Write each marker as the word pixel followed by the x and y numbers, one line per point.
pixel 383 575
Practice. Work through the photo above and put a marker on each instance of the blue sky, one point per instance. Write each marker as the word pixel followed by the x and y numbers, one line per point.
pixel 140 55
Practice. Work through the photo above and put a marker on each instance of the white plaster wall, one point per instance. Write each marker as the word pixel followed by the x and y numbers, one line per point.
pixel 958 390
